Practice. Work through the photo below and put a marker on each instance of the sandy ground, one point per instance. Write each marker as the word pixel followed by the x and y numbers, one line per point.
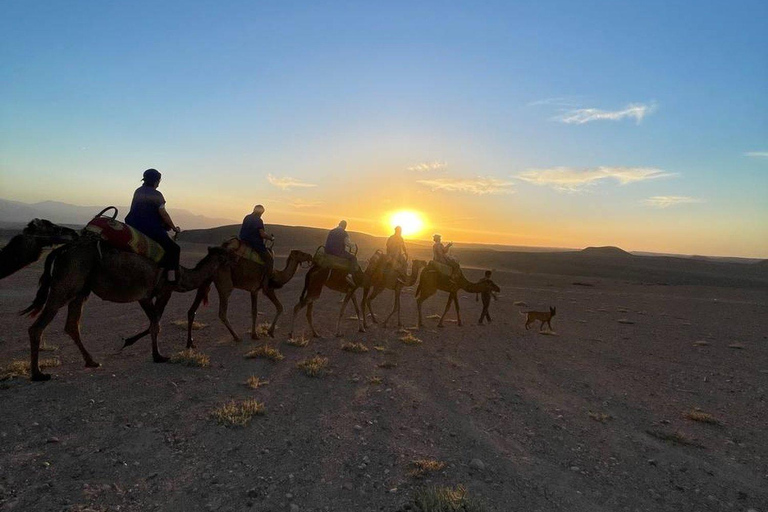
pixel 134 435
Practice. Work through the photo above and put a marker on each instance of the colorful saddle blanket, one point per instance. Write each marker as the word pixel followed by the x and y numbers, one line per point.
pixel 125 238
pixel 443 268
pixel 321 259
pixel 243 250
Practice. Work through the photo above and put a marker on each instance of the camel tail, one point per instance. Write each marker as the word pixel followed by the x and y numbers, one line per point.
pixel 45 286
pixel 207 292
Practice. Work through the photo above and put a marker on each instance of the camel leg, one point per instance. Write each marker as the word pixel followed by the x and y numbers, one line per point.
pixel 395 306
pixel 254 314
pixel 341 312
pixel 447 307
pixel 72 328
pixel 458 310
pixel 311 306
pixel 154 328
pixel 223 306
pixel 373 295
pixel 418 306
pixel 270 293
pixel 298 307
pixel 360 319
pixel 36 336
pixel 201 293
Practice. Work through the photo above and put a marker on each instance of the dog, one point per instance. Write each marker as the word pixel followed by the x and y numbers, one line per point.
pixel 541 316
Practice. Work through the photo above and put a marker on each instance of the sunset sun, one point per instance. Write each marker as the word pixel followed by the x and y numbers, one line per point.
pixel 412 222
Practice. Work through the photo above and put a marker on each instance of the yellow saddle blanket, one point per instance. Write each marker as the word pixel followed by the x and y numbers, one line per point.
pixel 243 250
pixel 321 259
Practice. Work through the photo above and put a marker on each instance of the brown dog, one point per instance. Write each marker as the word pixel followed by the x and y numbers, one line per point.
pixel 541 316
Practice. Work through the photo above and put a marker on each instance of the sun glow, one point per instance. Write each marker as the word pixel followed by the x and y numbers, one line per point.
pixel 411 221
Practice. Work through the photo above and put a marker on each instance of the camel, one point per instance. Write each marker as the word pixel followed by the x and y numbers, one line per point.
pixel 432 280
pixel 88 265
pixel 249 276
pixel 317 277
pixel 27 247
pixel 381 281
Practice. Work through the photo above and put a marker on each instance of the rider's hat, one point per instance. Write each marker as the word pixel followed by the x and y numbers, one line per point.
pixel 151 176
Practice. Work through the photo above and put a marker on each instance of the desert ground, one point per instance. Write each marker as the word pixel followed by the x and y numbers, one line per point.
pixel 648 395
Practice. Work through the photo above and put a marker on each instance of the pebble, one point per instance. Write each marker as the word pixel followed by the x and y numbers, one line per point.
pixel 294 507
pixel 477 464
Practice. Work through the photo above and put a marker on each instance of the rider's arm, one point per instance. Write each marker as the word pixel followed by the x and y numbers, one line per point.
pixel 263 234
pixel 167 219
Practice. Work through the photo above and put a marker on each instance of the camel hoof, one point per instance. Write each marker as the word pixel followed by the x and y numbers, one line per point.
pixel 191 345
pixel 160 359
pixel 271 333
pixel 440 325
pixel 254 336
pixel 40 377
pixel 339 335
pixel 92 364
pixel 315 335
pixel 362 329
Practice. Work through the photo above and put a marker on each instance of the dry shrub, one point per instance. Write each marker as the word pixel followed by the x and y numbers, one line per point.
pixel 298 341
pixel 355 347
pixel 701 417
pixel 265 352
pixel 600 416
pixel 190 357
pixel 379 348
pixel 254 382
pixel 314 366
pixel 410 339
pixel 182 324
pixel 44 347
pixel 433 317
pixel 18 368
pixel 387 365
pixel 263 328
pixel 374 380
pixel 421 467
pixel 520 303
pixel 238 414
pixel 446 499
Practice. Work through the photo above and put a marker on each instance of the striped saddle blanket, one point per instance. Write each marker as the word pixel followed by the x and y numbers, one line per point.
pixel 243 250
pixel 125 238
pixel 321 259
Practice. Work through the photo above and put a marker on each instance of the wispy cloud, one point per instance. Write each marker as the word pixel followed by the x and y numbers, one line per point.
pixel 561 101
pixel 636 111
pixel 301 204
pixel 286 183
pixel 429 166
pixel 667 201
pixel 569 179
pixel 757 154
pixel 478 186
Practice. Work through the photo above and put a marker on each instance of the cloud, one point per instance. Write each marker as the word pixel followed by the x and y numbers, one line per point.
pixel 478 186
pixel 561 101
pixel 429 166
pixel 586 115
pixel 757 154
pixel 287 183
pixel 301 203
pixel 667 201
pixel 569 179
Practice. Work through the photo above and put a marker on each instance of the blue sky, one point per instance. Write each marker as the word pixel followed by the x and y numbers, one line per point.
pixel 552 102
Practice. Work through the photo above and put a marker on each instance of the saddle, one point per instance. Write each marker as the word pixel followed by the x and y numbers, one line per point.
pixel 123 237
pixel 243 250
pixel 324 260
pixel 442 268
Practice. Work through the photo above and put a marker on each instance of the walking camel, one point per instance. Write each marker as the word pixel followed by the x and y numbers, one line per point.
pixel 86 266
pixel 249 276
pixel 432 280
pixel 381 280
pixel 319 277
pixel 27 247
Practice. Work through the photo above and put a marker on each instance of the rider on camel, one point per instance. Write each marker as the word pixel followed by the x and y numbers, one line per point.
pixel 253 234
pixel 338 243
pixel 397 254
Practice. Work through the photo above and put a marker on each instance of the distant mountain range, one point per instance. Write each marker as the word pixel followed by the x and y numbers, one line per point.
pixel 14 213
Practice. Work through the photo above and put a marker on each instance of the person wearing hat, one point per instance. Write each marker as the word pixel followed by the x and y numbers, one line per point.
pixel 396 251
pixel 440 254
pixel 148 215
pixel 338 242
pixel 253 234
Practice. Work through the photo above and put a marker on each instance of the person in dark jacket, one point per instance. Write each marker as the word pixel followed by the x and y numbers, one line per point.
pixel 252 233
pixel 338 243
pixel 148 215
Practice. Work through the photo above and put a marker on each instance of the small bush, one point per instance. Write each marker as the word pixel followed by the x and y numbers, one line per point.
pixel 446 499
pixel 388 365
pixel 374 380
pixel 263 328
pixel 357 348
pixel 265 352
pixel 600 416
pixel 20 368
pixel 190 357
pixel 314 366
pixel 674 437
pixel 255 382
pixel 701 417
pixel 410 339
pixel 421 467
pixel 238 414
pixel 182 324
pixel 298 341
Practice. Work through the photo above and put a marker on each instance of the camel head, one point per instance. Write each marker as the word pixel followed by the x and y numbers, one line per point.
pixel 300 257
pixel 55 234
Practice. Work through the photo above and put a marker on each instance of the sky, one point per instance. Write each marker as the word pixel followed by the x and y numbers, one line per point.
pixel 564 124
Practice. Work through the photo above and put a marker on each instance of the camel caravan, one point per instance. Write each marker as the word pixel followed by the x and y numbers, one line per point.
pixel 137 261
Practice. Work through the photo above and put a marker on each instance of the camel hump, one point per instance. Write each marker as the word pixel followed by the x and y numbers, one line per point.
pixel 442 268
pixel 243 250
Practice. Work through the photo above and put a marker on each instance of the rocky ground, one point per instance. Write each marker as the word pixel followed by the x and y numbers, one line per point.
pixel 591 417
